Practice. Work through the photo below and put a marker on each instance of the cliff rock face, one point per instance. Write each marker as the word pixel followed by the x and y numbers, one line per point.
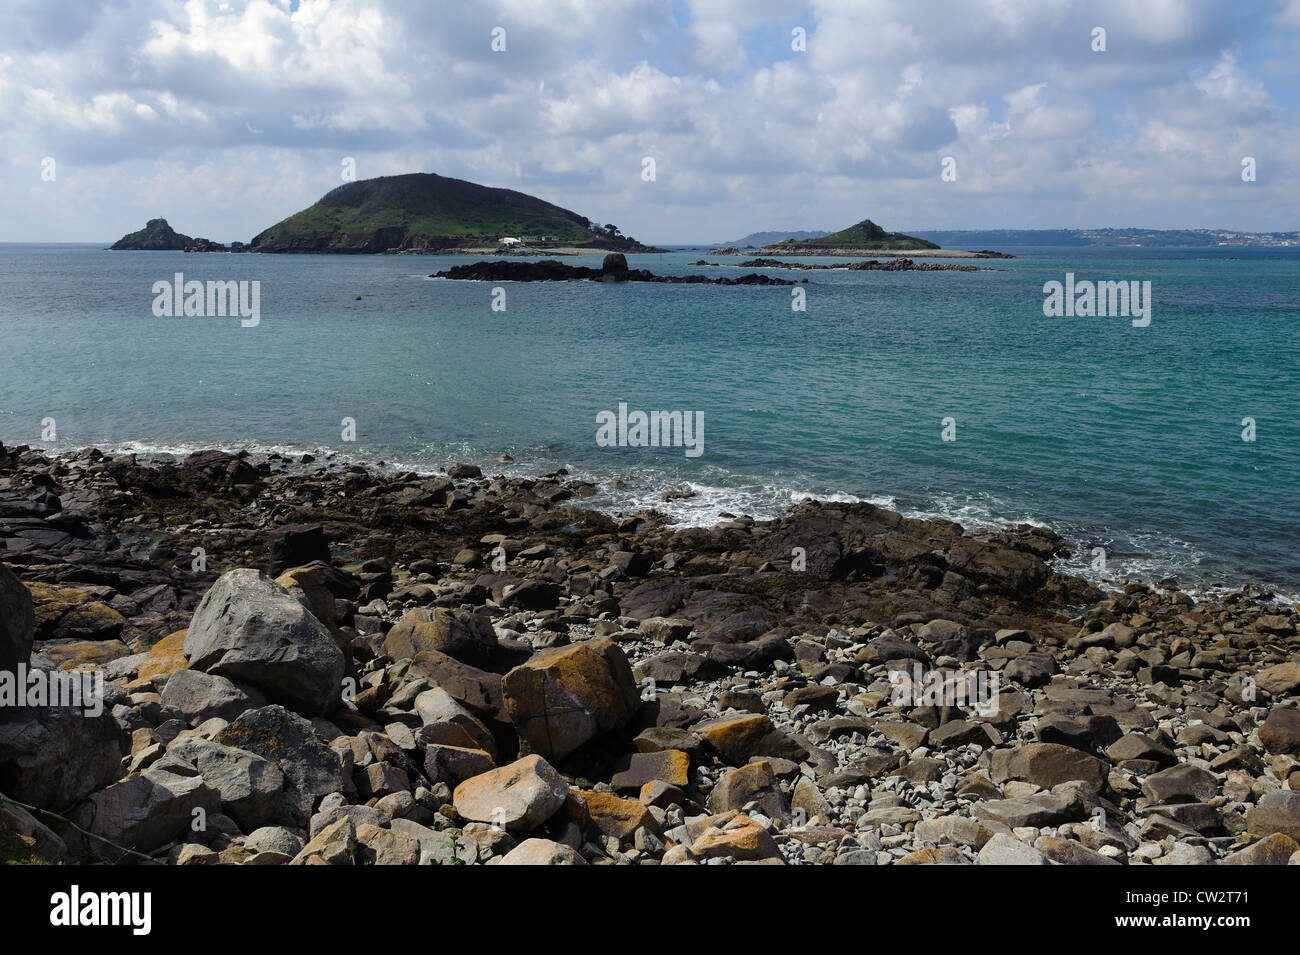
pixel 156 236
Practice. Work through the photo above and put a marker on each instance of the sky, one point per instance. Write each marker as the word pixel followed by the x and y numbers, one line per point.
pixel 680 121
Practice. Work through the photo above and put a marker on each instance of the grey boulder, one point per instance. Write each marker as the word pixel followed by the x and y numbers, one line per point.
pixel 55 756
pixel 249 785
pixel 250 629
pixel 146 812
pixel 275 839
pixel 311 769
pixel 1003 849
pixel 198 696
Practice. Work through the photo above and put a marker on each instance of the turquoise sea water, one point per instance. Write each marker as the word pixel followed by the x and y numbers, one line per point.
pixel 1121 437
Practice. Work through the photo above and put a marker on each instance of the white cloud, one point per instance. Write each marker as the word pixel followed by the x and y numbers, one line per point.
pixel 154 103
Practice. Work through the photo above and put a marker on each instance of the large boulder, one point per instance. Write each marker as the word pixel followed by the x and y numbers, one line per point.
pixel 198 697
pixel 754 784
pixel 82 654
pixel 308 586
pixel 1048 764
pixel 454 764
pixel 1280 680
pixel 1278 811
pixel 1181 783
pixel 296 544
pixel 334 845
pixel 1038 810
pixel 379 846
pixel 220 468
pixel 17 622
pixel 669 766
pixel 316 586
pixel 250 629
pixel 601 815
pixel 478 690
pixel 249 785
pixel 467 637
pixel 54 756
pixel 562 697
pixel 1031 670
pixel 68 613
pixel 740 738
pixel 311 769
pixel 542 852
pixel 447 722
pixel 275 839
pixel 519 797
pixel 1004 849
pixel 1280 733
pixel 147 811
pixel 735 835
pixel 1276 849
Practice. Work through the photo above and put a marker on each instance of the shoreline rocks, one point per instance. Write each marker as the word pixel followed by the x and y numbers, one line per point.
pixel 621 691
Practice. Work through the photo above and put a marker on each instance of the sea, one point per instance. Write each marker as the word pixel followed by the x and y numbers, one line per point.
pixel 1162 448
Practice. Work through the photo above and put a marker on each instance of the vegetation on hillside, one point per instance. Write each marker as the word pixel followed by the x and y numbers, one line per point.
pixel 425 211
pixel 156 236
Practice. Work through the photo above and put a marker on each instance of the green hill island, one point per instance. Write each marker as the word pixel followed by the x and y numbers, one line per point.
pixel 425 212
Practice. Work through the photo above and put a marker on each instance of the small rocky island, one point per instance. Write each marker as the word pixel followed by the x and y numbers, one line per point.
pixel 158 236
pixel 862 238
pixel 428 214
pixel 612 269
pixel 867 265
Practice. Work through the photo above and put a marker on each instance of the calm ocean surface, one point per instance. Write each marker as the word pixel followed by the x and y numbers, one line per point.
pixel 1120 437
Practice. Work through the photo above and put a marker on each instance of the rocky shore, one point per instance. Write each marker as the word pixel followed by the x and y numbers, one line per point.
pixel 307 663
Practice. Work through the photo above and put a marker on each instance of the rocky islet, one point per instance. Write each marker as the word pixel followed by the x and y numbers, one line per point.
pixel 613 268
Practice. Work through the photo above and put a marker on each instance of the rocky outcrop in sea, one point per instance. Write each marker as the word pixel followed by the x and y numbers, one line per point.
pixel 613 269
pixel 309 663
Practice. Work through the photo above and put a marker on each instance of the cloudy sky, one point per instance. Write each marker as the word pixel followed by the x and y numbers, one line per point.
pixel 225 116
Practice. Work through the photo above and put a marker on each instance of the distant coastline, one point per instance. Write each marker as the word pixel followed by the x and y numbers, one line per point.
pixel 1053 238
